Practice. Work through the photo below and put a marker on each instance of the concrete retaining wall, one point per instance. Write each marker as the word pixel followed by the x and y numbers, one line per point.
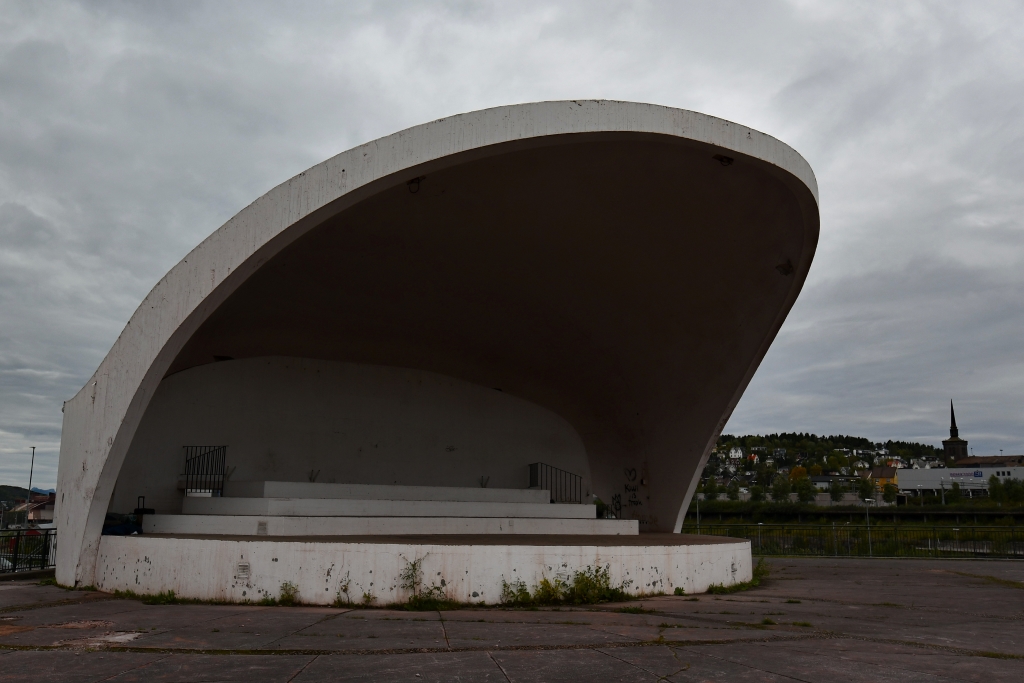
pixel 241 570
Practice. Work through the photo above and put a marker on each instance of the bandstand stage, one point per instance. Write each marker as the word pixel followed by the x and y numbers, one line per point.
pixel 499 345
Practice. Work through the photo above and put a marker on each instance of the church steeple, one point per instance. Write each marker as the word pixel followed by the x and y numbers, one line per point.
pixel 954 446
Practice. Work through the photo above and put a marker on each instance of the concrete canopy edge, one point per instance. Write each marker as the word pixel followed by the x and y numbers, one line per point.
pixel 100 421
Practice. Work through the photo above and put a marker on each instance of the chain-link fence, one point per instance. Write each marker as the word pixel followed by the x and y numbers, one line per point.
pixel 873 541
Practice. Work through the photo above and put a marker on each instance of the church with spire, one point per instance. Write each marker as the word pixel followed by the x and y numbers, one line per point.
pixel 954 446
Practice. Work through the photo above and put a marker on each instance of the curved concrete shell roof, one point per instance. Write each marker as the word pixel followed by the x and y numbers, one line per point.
pixel 624 265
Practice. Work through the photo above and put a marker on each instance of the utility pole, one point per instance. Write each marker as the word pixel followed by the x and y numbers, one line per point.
pixel 28 498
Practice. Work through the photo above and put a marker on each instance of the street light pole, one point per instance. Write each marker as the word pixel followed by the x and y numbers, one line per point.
pixel 28 498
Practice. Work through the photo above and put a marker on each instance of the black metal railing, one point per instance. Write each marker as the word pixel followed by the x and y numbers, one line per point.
pixel 847 540
pixel 26 549
pixel 565 487
pixel 204 470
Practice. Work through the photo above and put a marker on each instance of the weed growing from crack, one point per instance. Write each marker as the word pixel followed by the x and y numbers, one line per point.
pixel 423 598
pixel 289 594
pixel 587 586
pixel 761 572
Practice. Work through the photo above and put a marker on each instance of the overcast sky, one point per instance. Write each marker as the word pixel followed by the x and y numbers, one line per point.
pixel 130 131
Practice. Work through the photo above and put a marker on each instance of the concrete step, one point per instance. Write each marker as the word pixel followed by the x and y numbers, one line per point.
pixel 238 525
pixel 333 507
pixel 302 489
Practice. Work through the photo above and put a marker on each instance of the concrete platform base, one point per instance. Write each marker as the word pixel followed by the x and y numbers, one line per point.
pixel 339 507
pixel 468 569
pixel 245 525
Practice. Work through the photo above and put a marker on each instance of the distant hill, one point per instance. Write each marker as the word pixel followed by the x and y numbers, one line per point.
pixel 10 493
pixel 814 445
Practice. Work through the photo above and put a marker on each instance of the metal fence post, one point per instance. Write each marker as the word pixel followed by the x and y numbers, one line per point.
pixel 17 546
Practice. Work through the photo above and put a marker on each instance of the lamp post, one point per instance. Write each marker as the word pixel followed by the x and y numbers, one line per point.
pixel 28 498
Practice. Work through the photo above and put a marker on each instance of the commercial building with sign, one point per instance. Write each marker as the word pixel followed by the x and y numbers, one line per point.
pixel 973 481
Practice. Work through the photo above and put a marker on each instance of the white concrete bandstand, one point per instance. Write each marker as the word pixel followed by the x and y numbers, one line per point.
pixel 500 344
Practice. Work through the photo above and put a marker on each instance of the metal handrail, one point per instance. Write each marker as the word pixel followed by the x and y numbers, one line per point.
pixel 204 470
pixel 565 487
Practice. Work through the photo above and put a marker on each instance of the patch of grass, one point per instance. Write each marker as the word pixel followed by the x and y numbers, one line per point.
pixel 49 582
pixel 994 579
pixel 635 609
pixel 761 571
pixel 793 602
pixel 679 591
pixel 889 604
pixel 162 598
pixel 805 624
pixel 768 622
pixel 996 655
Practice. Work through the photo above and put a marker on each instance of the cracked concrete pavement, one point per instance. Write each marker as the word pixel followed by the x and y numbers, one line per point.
pixel 820 619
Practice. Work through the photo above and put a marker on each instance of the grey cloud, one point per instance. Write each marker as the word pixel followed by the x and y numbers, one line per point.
pixel 130 131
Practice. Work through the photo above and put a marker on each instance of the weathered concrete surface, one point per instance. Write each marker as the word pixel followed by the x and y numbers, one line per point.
pixel 471 569
pixel 301 489
pixel 229 525
pixel 566 253
pixel 861 621
pixel 334 507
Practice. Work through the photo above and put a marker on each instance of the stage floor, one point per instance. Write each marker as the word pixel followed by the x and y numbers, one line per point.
pixel 644 539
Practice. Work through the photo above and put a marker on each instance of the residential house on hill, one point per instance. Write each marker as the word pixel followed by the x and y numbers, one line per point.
pixel 883 475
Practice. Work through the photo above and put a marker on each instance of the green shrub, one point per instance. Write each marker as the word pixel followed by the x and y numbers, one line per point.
pixel 780 489
pixel 587 586
pixel 889 492
pixel 679 591
pixel 515 594
pixel 805 490
pixel 289 594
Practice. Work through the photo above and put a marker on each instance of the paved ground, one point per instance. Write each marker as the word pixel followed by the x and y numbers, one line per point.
pixel 845 620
